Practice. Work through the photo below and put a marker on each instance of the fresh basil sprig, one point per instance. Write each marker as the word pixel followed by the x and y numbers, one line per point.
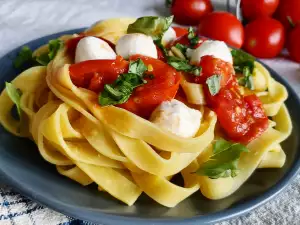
pixel 183 65
pixel 151 25
pixel 15 95
pixel 193 38
pixel 243 63
pixel 25 57
pixel 224 161
pixel 120 91
pixel 214 84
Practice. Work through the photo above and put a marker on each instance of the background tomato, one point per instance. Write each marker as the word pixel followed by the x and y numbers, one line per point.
pixel 288 8
pixel 222 26
pixel 264 37
pixel 293 43
pixel 253 9
pixel 189 12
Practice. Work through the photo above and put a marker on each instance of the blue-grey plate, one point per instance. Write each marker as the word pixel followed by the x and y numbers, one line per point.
pixel 23 168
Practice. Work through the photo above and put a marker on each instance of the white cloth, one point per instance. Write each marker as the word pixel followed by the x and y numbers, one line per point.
pixel 22 21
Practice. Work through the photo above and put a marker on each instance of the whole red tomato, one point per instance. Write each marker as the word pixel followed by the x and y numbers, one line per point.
pixel 222 26
pixel 264 37
pixel 291 9
pixel 293 43
pixel 253 9
pixel 189 12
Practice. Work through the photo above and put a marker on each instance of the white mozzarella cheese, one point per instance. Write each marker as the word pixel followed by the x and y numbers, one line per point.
pixel 132 44
pixel 217 49
pixel 177 118
pixel 169 35
pixel 90 48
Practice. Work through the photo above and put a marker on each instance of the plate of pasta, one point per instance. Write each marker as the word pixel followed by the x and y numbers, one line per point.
pixel 135 120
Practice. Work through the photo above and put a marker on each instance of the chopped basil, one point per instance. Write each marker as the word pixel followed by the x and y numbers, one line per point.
pixel 181 48
pixel 120 91
pixel 183 65
pixel 243 63
pixel 53 46
pixel 214 84
pixel 15 95
pixel 151 25
pixel 224 161
pixel 193 38
pixel 137 67
pixel 23 57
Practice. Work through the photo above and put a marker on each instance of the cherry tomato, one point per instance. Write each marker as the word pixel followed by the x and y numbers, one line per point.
pixel 222 26
pixel 190 12
pixel 291 9
pixel 241 117
pixel 94 74
pixel 180 31
pixel 253 9
pixel 293 43
pixel 72 44
pixel 214 66
pixel 264 37
pixel 162 87
pixel 184 40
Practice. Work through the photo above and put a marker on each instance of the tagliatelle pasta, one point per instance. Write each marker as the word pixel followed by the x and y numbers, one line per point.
pixel 123 153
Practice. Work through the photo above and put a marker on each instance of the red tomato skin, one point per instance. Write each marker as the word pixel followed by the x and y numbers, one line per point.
pixel 264 37
pixel 93 74
pixel 190 12
pixel 253 9
pixel 288 8
pixel 293 44
pixel 222 26
pixel 185 41
pixel 180 31
pixel 163 87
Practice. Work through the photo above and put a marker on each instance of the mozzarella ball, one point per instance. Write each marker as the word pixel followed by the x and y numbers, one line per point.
pixel 177 118
pixel 217 49
pixel 132 44
pixel 169 35
pixel 90 48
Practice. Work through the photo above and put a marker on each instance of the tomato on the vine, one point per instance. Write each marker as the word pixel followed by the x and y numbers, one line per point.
pixel 253 9
pixel 190 12
pixel 264 37
pixel 293 43
pixel 222 26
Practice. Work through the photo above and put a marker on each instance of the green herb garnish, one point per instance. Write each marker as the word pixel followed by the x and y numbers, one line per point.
pixel 183 65
pixel 23 57
pixel 120 91
pixel 181 48
pixel 224 161
pixel 193 38
pixel 243 63
pixel 151 25
pixel 15 95
pixel 214 84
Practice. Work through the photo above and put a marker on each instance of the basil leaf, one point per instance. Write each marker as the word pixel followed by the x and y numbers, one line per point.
pixel 183 65
pixel 15 95
pixel 151 25
pixel 181 48
pixel 23 57
pixel 137 67
pixel 214 84
pixel 53 46
pixel 244 63
pixel 193 38
pixel 224 161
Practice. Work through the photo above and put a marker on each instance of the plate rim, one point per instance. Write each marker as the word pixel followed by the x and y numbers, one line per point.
pixel 106 218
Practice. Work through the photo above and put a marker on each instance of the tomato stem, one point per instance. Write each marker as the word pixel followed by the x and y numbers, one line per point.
pixel 290 21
